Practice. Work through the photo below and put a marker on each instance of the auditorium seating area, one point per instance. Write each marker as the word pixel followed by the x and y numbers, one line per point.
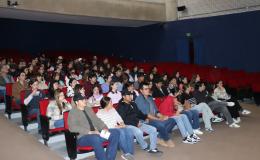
pixel 239 84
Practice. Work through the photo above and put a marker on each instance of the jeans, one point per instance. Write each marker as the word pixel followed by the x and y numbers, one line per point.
pixel 163 127
pixel 3 92
pixel 221 107
pixel 59 123
pixel 138 133
pixel 96 141
pixel 126 140
pixel 184 125
pixel 206 114
pixel 37 112
pixel 193 117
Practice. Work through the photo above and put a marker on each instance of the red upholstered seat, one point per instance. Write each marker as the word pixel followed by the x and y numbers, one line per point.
pixel 256 87
pixel 9 87
pixel 55 130
pixel 43 106
pixel 89 148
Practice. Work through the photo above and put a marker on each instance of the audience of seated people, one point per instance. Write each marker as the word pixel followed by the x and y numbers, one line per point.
pixel 137 114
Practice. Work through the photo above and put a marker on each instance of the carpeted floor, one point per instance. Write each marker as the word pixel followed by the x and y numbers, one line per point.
pixel 225 143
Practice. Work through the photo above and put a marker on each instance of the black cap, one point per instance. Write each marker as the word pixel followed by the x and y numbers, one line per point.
pixel 78 97
pixel 126 92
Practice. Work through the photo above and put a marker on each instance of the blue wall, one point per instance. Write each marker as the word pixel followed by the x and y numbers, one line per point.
pixel 226 41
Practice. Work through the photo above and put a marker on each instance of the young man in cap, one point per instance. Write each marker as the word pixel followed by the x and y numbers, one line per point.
pixel 135 120
pixel 83 120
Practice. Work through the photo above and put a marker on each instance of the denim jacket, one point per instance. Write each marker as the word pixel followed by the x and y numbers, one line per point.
pixel 144 105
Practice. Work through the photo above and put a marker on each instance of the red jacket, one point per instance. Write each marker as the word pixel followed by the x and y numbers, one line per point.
pixel 167 106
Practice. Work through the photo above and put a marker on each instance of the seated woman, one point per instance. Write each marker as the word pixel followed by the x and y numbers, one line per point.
pixel 54 85
pixel 105 86
pixel 57 77
pixel 112 119
pixel 41 82
pixel 18 86
pixel 96 96
pixel 70 89
pixel 221 94
pixel 56 108
pixel 32 99
pixel 114 94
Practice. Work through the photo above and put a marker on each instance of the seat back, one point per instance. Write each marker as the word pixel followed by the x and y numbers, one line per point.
pixel 9 87
pixel 22 96
pixel 64 90
pixel 65 117
pixel 43 106
pixel 115 105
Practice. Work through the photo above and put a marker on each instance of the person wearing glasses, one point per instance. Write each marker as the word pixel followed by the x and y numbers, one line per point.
pixel 162 123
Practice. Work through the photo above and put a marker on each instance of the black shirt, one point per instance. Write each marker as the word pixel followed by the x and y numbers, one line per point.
pixel 130 114
pixel 202 97
pixel 160 93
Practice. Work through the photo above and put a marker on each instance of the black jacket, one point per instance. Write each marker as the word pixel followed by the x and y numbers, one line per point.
pixel 159 93
pixel 202 97
pixel 130 113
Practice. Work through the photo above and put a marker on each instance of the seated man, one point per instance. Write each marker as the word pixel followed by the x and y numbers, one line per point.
pixel 135 120
pixel 4 78
pixel 18 86
pixel 216 106
pixel 163 124
pixel 83 120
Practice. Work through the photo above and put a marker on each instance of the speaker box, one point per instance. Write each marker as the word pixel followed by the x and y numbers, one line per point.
pixel 181 8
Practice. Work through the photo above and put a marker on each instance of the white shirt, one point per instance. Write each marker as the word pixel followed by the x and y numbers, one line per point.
pixel 110 117
pixel 95 100
pixel 70 91
pixel 115 97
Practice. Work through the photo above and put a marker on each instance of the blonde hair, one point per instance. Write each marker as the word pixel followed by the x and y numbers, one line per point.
pixel 57 96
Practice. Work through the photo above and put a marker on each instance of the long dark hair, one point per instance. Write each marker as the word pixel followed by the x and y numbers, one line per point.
pixel 104 102
pixel 59 104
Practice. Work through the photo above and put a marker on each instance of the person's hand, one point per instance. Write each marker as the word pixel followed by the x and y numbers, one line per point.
pixel 65 101
pixel 163 118
pixel 35 92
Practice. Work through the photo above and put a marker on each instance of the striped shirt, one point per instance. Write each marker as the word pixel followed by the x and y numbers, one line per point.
pixel 110 118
